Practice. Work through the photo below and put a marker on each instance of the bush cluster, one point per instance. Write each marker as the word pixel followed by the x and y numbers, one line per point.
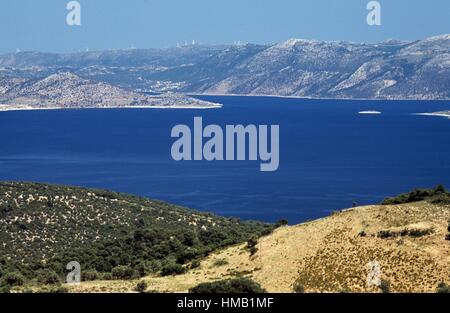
pixel 152 237
pixel 443 288
pixel 438 195
pixel 172 269
pixel 236 285
pixel 141 286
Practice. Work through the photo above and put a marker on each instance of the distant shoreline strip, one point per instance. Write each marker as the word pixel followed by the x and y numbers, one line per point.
pixel 447 115
pixel 6 108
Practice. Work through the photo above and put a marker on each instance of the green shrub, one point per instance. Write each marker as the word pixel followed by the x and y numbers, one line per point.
pixel 438 195
pixel 5 289
pixel 383 234
pixel 253 250
pixel 419 232
pixel 59 289
pixel 48 277
pixel 220 262
pixel 266 232
pixel 413 196
pixel 236 285
pixel 172 269
pixel 141 286
pixel 53 289
pixel 143 269
pixel 298 288
pixel 187 255
pixel 89 275
pixel 443 288
pixel 123 272
pixel 252 242
pixel 282 222
pixel 441 199
pixel 13 279
pixel 362 233
pixel 439 189
pixel 447 237
pixel 195 264
pixel 106 276
pixel 385 287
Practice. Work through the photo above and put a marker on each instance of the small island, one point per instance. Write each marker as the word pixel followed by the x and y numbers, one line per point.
pixel 68 91
pixel 370 112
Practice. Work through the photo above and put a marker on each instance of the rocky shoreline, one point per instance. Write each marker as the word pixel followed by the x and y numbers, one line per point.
pixel 69 91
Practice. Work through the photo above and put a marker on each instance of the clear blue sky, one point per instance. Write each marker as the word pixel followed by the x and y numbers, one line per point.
pixel 111 24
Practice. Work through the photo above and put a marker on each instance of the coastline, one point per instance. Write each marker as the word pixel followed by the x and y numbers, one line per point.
pixel 447 115
pixel 11 108
pixel 309 98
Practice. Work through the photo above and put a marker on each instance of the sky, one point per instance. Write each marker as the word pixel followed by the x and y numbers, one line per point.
pixel 119 24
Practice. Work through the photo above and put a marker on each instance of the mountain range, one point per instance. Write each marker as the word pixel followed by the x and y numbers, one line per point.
pixel 300 68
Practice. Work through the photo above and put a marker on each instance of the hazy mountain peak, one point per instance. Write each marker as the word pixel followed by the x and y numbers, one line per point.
pixel 290 43
pixel 438 38
pixel 63 76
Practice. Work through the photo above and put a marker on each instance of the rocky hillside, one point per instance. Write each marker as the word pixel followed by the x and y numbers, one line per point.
pixel 67 90
pixel 410 242
pixel 304 68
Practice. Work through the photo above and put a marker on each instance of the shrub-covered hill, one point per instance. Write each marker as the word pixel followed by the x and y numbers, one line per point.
pixel 43 227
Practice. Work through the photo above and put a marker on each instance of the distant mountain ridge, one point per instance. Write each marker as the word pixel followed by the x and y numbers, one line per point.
pixel 43 227
pixel 296 67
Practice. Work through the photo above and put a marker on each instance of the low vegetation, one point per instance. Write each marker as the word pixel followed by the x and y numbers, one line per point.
pixel 220 262
pixel 112 235
pixel 438 195
pixel 385 286
pixel 172 269
pixel 298 288
pixel 411 232
pixel 141 286
pixel 235 285
pixel 447 237
pixel 443 288
pixel 123 272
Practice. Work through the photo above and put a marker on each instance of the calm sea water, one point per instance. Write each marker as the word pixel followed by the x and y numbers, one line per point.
pixel 330 156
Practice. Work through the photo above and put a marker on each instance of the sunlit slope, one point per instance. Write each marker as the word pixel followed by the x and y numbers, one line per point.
pixel 330 254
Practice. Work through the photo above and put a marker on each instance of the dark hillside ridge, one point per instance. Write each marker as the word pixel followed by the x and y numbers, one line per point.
pixel 46 226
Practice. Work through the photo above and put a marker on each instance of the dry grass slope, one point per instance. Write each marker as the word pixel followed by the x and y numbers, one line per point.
pixel 330 254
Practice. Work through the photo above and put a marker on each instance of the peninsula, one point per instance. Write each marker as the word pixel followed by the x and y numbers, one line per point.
pixel 68 91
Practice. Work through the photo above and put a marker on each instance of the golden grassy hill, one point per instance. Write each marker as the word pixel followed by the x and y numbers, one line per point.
pixel 329 254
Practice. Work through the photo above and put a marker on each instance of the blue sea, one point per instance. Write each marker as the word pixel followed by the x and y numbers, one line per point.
pixel 330 156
